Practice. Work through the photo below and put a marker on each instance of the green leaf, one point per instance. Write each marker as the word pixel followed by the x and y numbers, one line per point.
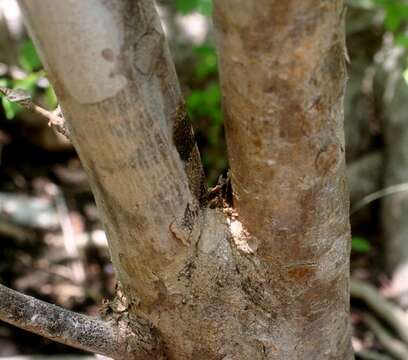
pixel 395 13
pixel 20 88
pixel 4 82
pixel 392 21
pixel 205 7
pixel 206 103
pixel 188 6
pixel 50 98
pixel 360 244
pixel 28 83
pixel 29 59
pixel 207 63
pixel 10 108
pixel 402 40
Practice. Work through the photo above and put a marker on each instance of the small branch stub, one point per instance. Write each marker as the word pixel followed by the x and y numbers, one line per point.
pixel 24 99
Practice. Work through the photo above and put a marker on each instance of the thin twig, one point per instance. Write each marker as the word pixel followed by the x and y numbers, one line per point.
pixel 77 330
pixel 390 190
pixel 393 346
pixel 23 98
pixel 58 324
pixel 393 315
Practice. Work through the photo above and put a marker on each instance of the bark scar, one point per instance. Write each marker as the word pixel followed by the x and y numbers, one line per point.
pixel 180 233
pixel 184 229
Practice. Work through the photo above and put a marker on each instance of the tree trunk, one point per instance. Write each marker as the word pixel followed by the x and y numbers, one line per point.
pixel 283 79
pixel 266 277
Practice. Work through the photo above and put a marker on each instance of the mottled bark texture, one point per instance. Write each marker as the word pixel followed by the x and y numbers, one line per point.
pixel 119 93
pixel 269 278
pixel 283 76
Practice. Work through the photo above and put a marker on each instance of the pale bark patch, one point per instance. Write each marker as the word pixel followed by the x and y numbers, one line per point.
pixel 99 39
